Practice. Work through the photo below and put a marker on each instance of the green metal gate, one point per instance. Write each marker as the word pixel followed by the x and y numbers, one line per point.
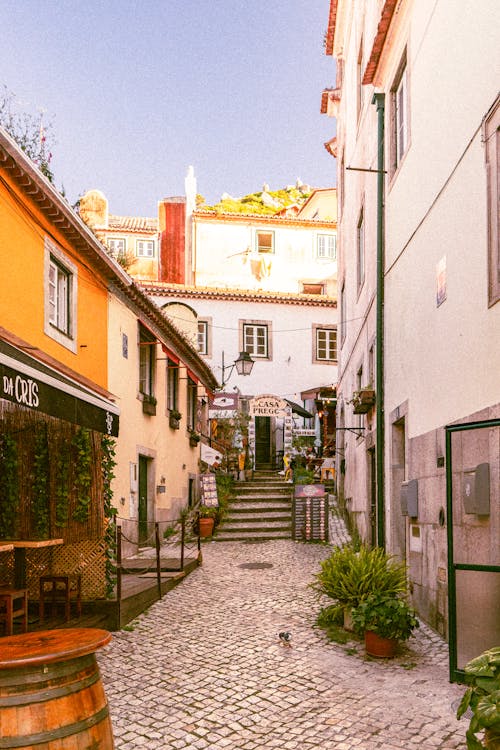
pixel 473 515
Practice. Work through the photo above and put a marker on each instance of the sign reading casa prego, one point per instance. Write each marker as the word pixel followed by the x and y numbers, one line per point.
pixel 269 406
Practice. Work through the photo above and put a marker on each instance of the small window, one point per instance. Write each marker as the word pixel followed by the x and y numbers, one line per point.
pixel 399 116
pixel 192 404
pixel 326 246
pixel 59 297
pixel 313 289
pixel 343 316
pixel 492 153
pixel 360 241
pixel 117 245
pixel 326 344
pixel 203 337
pixel 147 359
pixel 265 242
pixel 255 340
pixel 60 301
pixel 145 248
pixel 359 80
pixel 172 385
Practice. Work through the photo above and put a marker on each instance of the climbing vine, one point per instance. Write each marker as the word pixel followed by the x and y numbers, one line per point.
pixel 62 483
pixel 41 496
pixel 108 464
pixel 9 486
pixel 82 480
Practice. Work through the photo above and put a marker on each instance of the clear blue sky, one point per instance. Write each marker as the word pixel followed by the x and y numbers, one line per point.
pixel 138 91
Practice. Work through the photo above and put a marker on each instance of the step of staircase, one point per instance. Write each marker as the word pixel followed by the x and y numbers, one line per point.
pixel 260 510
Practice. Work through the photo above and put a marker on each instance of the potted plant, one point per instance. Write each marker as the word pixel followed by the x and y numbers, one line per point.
pixel 194 439
pixel 206 520
pixel 483 698
pixel 350 574
pixel 384 619
pixel 174 419
pixel 148 404
pixel 363 400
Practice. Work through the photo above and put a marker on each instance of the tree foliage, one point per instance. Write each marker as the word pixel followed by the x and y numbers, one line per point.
pixel 32 134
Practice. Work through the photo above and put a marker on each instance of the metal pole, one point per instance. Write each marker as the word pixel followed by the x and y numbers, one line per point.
pixel 183 534
pixel 158 562
pixel 379 101
pixel 119 572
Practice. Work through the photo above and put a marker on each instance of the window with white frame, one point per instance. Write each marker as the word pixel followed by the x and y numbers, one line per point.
pixel 360 242
pixel 147 361
pixel 326 246
pixel 117 245
pixel 264 242
pixel 359 79
pixel 400 116
pixel 145 248
pixel 325 343
pixel 256 339
pixel 192 404
pixel 172 385
pixel 343 317
pixel 491 132
pixel 205 336
pixel 60 279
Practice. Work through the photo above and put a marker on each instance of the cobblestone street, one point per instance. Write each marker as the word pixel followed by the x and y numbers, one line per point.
pixel 204 668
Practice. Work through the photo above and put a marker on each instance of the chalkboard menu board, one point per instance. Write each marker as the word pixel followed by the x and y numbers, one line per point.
pixel 209 490
pixel 310 513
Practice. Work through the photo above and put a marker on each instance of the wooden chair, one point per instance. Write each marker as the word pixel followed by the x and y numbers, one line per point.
pixel 13 603
pixel 61 589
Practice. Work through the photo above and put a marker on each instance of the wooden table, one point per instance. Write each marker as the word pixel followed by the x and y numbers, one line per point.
pixel 4 547
pixel 20 546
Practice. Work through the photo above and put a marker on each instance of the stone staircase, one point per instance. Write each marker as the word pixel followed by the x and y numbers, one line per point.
pixel 261 509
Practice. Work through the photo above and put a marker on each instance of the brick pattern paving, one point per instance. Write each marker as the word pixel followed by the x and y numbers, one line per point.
pixel 204 668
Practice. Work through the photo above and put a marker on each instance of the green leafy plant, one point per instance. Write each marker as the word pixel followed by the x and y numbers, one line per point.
pixel 169 531
pixel 208 511
pixel 387 615
pixel 483 698
pixel 9 486
pixel 349 575
pixel 108 464
pixel 41 475
pixel 83 474
pixel 62 483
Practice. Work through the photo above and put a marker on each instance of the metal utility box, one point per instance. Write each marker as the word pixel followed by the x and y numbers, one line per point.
pixel 476 490
pixel 409 498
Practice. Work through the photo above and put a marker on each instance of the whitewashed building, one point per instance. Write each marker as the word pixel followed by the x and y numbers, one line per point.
pixel 417 110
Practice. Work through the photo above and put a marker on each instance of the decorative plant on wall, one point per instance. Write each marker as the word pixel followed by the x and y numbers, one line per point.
pixel 41 497
pixel 62 483
pixel 82 481
pixel 9 486
pixel 108 464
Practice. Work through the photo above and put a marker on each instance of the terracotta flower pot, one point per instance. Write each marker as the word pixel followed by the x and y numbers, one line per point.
pixel 206 527
pixel 382 648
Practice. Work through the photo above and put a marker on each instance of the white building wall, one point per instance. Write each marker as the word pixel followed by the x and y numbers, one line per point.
pixel 225 251
pixel 442 186
pixel 291 369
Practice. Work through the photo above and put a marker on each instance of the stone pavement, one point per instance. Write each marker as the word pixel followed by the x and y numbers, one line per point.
pixel 204 668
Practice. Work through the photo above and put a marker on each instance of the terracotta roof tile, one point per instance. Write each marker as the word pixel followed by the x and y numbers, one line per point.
pixel 330 31
pixel 132 223
pixel 180 290
pixel 379 41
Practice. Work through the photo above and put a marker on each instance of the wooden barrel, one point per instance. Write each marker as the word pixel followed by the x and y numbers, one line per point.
pixel 51 695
